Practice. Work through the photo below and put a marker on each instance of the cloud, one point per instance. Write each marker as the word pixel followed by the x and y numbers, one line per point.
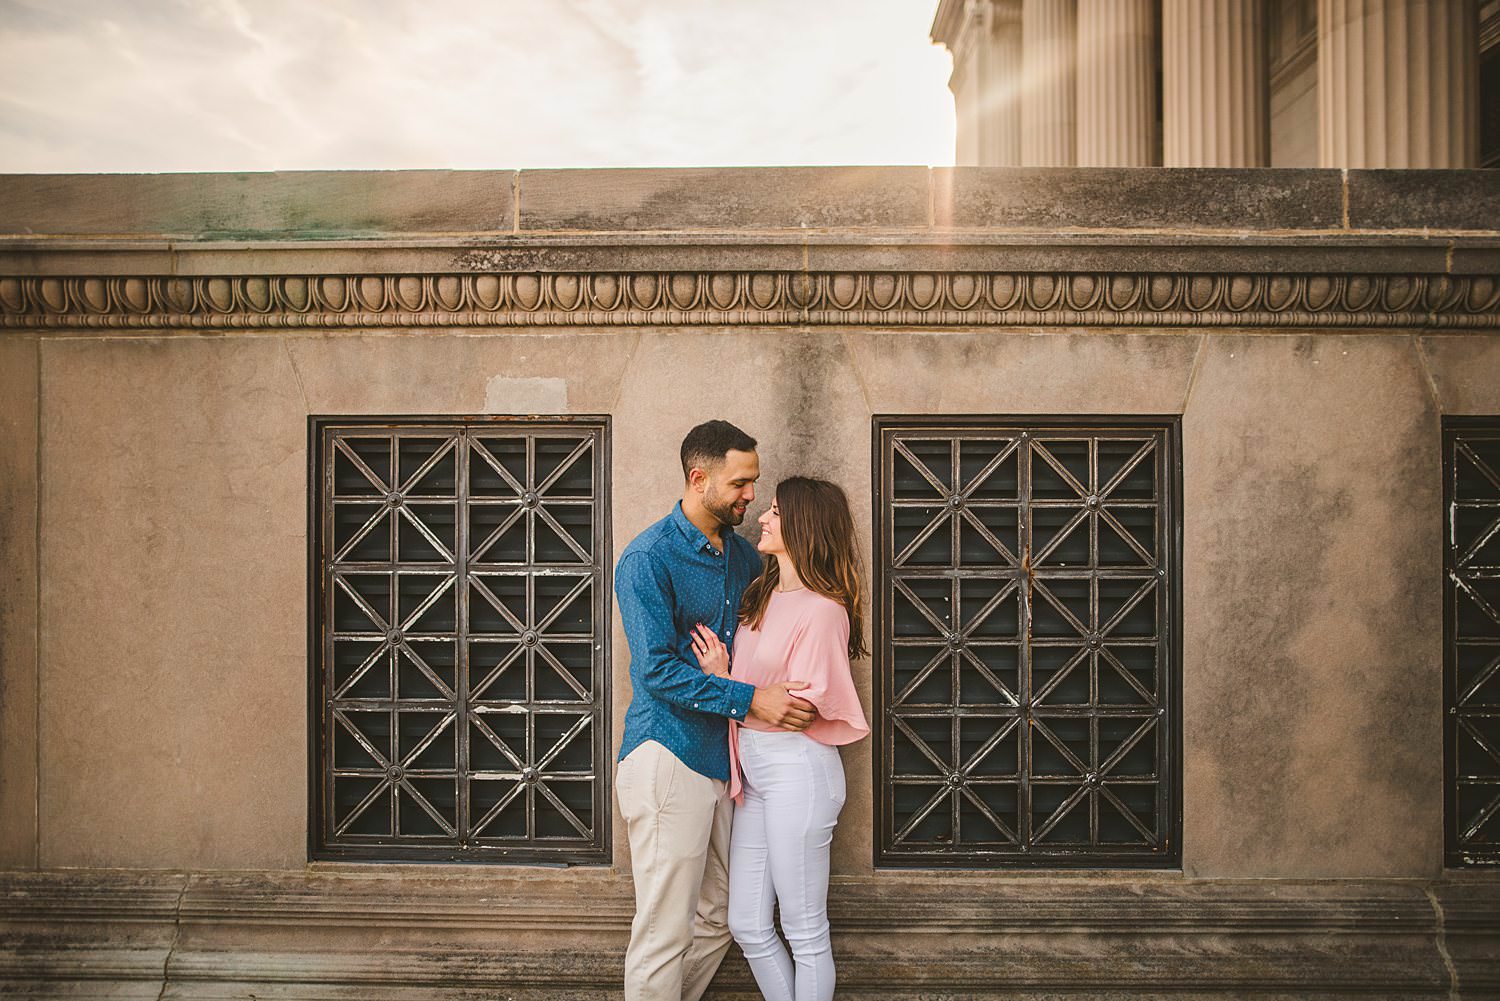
pixel 132 85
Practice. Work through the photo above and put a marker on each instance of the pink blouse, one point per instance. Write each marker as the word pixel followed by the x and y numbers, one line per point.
pixel 803 637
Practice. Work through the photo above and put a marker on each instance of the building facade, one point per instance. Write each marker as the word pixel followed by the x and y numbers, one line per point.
pixel 1224 83
pixel 1178 494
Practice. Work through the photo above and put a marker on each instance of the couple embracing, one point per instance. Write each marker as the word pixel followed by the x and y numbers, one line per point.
pixel 730 780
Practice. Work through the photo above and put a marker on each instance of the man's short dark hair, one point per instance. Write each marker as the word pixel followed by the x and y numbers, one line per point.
pixel 706 445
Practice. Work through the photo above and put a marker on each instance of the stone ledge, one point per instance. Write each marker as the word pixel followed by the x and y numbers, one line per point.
pixel 320 205
pixel 319 935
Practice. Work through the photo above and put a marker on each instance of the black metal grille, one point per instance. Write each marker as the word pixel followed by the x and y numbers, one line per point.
pixel 1471 569
pixel 1028 645
pixel 460 610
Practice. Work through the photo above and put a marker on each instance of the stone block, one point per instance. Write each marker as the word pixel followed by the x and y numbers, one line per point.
pixel 1023 372
pixel 1030 198
pixel 306 204
pixel 498 372
pixel 174 644
pixel 18 600
pixel 755 198
pixel 1465 371
pixel 1424 199
pixel 1312 695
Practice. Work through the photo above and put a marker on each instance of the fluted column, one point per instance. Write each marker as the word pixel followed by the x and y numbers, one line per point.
pixel 1049 91
pixel 1002 75
pixel 1398 83
pixel 1117 83
pixel 1214 84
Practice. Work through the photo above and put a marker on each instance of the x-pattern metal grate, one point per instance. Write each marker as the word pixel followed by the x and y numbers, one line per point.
pixel 1027 649
pixel 1471 486
pixel 460 612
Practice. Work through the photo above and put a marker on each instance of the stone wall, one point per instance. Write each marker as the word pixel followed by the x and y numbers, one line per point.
pixel 163 340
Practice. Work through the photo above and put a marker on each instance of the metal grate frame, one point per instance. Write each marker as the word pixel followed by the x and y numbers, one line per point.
pixel 1471 640
pixel 459 639
pixel 1028 641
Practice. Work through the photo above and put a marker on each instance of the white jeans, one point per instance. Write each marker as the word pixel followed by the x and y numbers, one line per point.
pixel 778 854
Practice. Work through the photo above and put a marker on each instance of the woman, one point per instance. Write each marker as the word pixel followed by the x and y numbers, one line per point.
pixel 801 620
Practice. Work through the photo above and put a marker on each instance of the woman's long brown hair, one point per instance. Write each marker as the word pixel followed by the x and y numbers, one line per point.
pixel 818 531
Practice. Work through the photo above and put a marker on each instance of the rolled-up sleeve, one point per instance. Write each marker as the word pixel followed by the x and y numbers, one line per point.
pixel 645 594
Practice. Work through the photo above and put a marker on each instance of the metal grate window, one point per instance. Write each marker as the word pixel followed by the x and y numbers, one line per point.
pixel 1471 648
pixel 1027 642
pixel 459 610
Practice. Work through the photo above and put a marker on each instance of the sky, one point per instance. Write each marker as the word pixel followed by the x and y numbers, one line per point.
pixel 240 85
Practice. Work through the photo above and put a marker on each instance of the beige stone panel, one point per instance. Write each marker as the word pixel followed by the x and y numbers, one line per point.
pixel 18 606
pixel 796 392
pixel 1312 577
pixel 503 372
pixel 1012 372
pixel 1465 371
pixel 174 641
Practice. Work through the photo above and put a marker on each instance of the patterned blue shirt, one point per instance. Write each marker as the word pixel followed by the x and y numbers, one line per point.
pixel 669 579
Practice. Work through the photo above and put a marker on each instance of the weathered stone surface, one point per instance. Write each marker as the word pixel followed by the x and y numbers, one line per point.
pixel 571 372
pixel 1424 199
pixel 1023 372
pixel 304 204
pixel 174 688
pixel 1312 694
pixel 1465 372
pixel 1135 198
pixel 703 198
pixel 18 604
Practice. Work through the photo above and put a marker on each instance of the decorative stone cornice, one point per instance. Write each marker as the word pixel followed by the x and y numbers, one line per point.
pixel 743 297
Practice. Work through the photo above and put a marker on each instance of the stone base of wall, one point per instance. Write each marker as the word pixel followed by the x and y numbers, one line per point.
pixel 325 935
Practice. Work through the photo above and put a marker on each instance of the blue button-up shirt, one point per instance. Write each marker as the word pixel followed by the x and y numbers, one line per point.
pixel 669 579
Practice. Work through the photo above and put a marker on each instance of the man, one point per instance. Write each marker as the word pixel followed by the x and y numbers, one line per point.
pixel 686 569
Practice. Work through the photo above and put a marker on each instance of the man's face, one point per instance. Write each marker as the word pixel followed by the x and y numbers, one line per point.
pixel 729 487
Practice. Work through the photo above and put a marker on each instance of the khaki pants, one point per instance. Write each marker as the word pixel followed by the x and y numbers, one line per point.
pixel 678 822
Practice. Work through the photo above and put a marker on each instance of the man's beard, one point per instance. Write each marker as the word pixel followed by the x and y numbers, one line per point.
pixel 726 513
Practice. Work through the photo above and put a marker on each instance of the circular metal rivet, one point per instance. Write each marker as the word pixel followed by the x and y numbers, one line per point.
pixel 955 780
pixel 1093 779
pixel 528 775
pixel 529 638
pixel 955 501
pixel 529 499
pixel 393 499
pixel 1093 501
pixel 1094 642
pixel 393 637
pixel 394 773
pixel 955 640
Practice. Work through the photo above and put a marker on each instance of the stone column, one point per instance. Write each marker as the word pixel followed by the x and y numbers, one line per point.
pixel 1002 118
pixel 1214 84
pixel 1117 83
pixel 1398 83
pixel 1048 97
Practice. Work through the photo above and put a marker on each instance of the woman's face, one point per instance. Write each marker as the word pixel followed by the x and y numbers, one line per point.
pixel 770 541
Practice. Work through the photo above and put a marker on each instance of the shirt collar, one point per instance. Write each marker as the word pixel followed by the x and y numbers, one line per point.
pixel 691 532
